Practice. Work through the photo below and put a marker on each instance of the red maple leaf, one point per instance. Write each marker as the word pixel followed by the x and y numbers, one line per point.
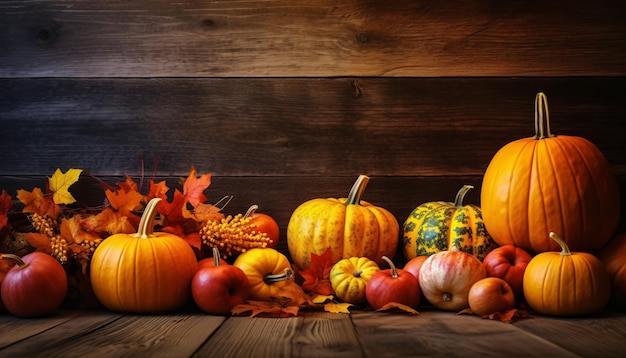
pixel 317 276
pixel 5 206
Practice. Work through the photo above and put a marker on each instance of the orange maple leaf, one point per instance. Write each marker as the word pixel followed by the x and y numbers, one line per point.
pixel 124 201
pixel 40 242
pixel 73 232
pixel 273 308
pixel 317 276
pixel 36 202
pixel 110 221
pixel 157 190
pixel 5 207
pixel 193 187
pixel 128 185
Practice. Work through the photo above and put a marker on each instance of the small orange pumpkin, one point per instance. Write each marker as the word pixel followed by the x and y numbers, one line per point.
pixel 146 272
pixel 550 183
pixel 268 272
pixel 566 283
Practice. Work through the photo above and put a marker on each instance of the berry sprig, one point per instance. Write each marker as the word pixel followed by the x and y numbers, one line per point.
pixel 233 235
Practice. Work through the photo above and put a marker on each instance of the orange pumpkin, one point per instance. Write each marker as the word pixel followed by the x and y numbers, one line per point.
pixel 146 272
pixel 349 227
pixel 566 283
pixel 550 183
pixel 613 256
pixel 269 272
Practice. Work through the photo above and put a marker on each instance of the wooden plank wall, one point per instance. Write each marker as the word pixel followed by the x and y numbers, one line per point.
pixel 286 100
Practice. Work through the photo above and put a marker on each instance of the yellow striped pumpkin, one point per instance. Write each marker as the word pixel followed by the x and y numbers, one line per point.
pixel 349 227
pixel 439 226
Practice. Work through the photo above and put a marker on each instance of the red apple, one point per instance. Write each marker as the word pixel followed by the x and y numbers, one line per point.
pixel 491 295
pixel 413 266
pixel 264 223
pixel 35 286
pixel 216 289
pixel 392 285
pixel 508 262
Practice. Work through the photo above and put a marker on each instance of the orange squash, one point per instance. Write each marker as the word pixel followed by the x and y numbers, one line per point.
pixel 566 283
pixel 268 272
pixel 349 227
pixel 550 183
pixel 613 256
pixel 146 272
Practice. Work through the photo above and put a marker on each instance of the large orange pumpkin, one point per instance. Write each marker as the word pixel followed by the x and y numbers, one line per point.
pixel 349 227
pixel 146 272
pixel 550 183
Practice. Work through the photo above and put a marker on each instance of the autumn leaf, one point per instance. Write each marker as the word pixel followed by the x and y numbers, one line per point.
pixel 274 308
pixel 5 207
pixel 335 307
pixel 157 190
pixel 203 213
pixel 36 202
pixel 194 187
pixel 124 201
pixel 292 292
pixel 128 185
pixel 395 306
pixel 73 232
pixel 317 276
pixel 109 221
pixel 59 184
pixel 40 242
pixel 505 316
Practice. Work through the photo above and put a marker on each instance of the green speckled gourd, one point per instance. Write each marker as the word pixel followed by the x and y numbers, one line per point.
pixel 440 226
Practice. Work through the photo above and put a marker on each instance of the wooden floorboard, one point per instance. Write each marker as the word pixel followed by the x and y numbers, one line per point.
pixel 311 334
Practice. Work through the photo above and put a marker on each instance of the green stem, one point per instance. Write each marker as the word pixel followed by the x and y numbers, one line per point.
pixel 273 278
pixel 458 200
pixel 541 104
pixel 146 224
pixel 16 260
pixel 564 249
pixel 354 197
pixel 394 272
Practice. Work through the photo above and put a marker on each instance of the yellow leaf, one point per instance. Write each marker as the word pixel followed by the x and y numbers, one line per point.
pixel 60 183
pixel 337 307
pixel 319 299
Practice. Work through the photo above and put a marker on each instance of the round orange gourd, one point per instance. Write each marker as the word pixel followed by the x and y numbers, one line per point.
pixel 349 227
pixel 349 277
pixel 146 272
pixel 566 283
pixel 613 256
pixel 550 183
pixel 268 271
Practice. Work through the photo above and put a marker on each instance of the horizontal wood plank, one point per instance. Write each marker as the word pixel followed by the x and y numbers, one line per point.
pixel 100 334
pixel 293 127
pixel 69 38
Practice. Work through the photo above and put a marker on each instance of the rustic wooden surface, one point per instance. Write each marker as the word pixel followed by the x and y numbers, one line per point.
pixel 320 38
pixel 311 334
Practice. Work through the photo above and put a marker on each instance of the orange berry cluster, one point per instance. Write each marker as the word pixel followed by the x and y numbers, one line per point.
pixel 233 235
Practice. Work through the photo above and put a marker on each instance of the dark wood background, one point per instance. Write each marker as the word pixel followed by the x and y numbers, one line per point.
pixel 284 101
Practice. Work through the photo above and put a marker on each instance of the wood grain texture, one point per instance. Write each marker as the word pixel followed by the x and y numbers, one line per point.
pixel 293 127
pixel 98 334
pixel 316 38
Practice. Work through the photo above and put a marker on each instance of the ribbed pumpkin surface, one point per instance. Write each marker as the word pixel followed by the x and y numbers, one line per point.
pixel 546 183
pixel 350 227
pixel 439 226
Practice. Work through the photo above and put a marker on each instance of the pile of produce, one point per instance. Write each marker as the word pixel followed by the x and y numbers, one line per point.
pixel 542 241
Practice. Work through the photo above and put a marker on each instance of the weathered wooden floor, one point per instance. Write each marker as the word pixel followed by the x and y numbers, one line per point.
pixel 311 334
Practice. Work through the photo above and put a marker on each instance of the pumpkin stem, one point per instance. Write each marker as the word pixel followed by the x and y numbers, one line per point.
pixel 15 259
pixel 394 272
pixel 458 200
pixel 564 249
pixel 357 273
pixel 354 197
pixel 146 224
pixel 216 256
pixel 270 279
pixel 541 102
pixel 447 296
pixel 251 210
